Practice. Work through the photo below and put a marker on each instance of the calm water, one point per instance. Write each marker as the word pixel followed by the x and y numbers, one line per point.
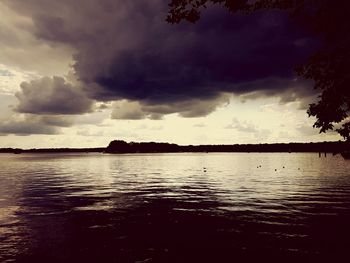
pixel 168 208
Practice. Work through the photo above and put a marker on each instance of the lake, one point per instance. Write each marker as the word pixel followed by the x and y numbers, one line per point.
pixel 183 207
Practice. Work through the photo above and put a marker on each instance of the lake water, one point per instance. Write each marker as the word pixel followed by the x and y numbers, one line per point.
pixel 186 207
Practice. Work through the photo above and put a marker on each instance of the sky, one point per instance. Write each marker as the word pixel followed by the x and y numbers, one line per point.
pixel 82 73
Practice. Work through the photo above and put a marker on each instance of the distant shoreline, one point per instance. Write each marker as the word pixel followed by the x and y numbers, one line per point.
pixel 119 146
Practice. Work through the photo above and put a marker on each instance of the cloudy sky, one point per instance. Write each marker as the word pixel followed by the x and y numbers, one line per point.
pixel 82 73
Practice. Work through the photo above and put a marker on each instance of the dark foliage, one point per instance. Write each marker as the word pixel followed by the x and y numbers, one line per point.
pixel 190 10
pixel 119 146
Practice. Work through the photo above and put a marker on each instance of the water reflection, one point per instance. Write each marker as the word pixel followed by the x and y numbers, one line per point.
pixel 173 207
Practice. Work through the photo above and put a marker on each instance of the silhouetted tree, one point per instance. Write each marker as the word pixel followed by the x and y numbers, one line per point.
pixel 328 67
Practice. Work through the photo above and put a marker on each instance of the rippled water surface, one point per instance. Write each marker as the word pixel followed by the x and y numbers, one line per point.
pixel 215 207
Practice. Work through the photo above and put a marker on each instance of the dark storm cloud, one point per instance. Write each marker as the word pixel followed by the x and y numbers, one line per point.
pixel 204 59
pixel 125 50
pixel 289 90
pixel 51 96
pixel 133 110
